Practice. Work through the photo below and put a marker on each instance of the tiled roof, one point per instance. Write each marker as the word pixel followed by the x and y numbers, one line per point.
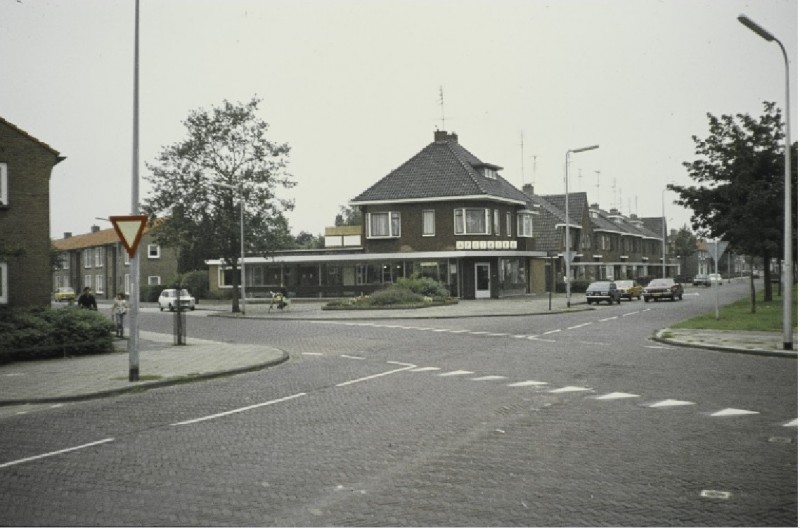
pixel 37 141
pixel 443 169
pixel 103 237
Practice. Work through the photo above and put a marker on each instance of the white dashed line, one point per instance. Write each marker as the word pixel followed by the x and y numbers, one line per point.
pixel 578 326
pixel 630 313
pixel 793 423
pixel 351 357
pixel 241 409
pixel 479 333
pixel 609 319
pixel 670 403
pixel 54 453
pixel 424 369
pixel 456 373
pixel 529 383
pixel 570 388
pixel 551 332
pixel 616 396
pixel 312 353
pixel 733 412
pixel 488 378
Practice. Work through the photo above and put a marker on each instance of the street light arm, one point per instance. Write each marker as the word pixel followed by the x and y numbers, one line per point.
pixel 755 28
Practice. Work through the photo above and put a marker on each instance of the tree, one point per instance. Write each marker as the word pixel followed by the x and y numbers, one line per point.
pixel 306 240
pixel 200 183
pixel 740 175
pixel 348 216
pixel 684 244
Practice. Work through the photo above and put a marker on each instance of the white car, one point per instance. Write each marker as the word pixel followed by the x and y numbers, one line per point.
pixel 714 278
pixel 169 300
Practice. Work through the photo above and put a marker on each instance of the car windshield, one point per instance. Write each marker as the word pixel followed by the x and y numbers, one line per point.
pixel 599 285
pixel 624 284
pixel 660 283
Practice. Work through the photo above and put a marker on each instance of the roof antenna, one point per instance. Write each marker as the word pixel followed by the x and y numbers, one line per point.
pixel 522 154
pixel 441 103
pixel 598 187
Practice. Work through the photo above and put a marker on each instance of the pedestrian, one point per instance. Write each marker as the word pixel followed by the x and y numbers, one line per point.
pixel 118 311
pixel 87 300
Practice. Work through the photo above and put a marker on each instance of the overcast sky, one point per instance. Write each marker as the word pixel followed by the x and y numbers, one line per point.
pixel 354 88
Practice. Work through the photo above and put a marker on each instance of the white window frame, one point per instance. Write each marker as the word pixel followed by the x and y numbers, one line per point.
pixel 127 285
pixel 3 184
pixel 65 260
pixel 99 283
pixel 496 222
pixel 88 255
pixel 154 280
pixel 393 224
pixel 153 251
pixel 524 225
pixel 98 257
pixel 431 214
pixel 509 225
pixel 460 220
pixel 87 281
pixel 3 282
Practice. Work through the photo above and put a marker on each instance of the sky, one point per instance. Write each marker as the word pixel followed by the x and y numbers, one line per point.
pixel 356 88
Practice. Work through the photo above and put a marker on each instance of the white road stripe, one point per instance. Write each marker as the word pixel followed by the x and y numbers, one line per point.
pixel 241 409
pixel 312 353
pixel 457 373
pixel 488 378
pixel 609 319
pixel 424 369
pixel 616 396
pixel 54 453
pixel 570 388
pixel 528 383
pixel 733 412
pixel 551 332
pixel 407 367
pixel 578 326
pixel 630 313
pixel 670 403
pixel 793 423
pixel 350 357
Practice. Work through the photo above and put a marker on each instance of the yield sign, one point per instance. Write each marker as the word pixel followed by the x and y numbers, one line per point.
pixel 129 230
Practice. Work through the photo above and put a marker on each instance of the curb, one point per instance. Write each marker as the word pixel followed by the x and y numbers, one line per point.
pixel 746 351
pixel 148 385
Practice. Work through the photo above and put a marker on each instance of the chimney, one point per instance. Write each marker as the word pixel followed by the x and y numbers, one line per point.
pixel 442 135
pixel 527 188
pixel 67 234
pixel 95 228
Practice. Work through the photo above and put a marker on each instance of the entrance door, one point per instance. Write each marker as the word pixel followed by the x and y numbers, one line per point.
pixel 482 282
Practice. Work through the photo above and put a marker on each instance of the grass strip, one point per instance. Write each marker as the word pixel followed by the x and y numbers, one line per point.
pixel 768 316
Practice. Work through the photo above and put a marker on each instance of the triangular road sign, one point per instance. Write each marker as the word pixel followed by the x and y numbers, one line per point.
pixel 129 230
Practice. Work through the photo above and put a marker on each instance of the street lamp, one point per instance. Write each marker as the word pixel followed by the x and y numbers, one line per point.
pixel 567 252
pixel 663 237
pixel 241 236
pixel 788 263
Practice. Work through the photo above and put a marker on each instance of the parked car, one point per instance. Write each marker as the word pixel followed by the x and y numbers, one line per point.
pixel 64 294
pixel 663 289
pixel 629 289
pixel 169 300
pixel 603 291
pixel 714 278
pixel 701 280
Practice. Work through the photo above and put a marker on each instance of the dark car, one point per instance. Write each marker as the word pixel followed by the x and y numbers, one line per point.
pixel 603 291
pixel 663 289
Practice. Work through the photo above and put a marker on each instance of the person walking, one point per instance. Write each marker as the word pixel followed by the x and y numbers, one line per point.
pixel 118 311
pixel 87 300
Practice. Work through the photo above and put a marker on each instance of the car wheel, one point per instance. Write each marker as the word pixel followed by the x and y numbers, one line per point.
pixel 169 306
pixel 646 299
pixel 619 300
pixel 191 308
pixel 160 308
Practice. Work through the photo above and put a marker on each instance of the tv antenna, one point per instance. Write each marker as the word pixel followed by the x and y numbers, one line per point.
pixel 441 103
pixel 598 187
pixel 522 154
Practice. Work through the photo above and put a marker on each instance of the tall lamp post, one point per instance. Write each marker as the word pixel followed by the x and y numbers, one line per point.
pixel 663 237
pixel 133 337
pixel 788 262
pixel 241 236
pixel 567 252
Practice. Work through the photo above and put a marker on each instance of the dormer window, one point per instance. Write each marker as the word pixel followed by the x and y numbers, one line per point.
pixel 490 173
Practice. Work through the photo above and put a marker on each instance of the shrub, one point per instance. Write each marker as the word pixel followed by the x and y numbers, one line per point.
pixel 424 286
pixel 197 283
pixel 394 295
pixel 150 292
pixel 46 333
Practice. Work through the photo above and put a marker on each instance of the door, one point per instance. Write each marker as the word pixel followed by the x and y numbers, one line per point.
pixel 482 282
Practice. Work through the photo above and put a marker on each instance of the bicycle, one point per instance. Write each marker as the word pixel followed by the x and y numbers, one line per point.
pixel 278 300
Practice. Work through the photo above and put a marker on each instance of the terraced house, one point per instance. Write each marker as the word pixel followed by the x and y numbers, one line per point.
pixel 446 214
pixel 98 260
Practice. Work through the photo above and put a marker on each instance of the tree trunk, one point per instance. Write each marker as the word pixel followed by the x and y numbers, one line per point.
pixel 767 258
pixel 235 283
pixel 752 287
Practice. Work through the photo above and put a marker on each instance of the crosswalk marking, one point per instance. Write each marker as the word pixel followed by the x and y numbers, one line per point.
pixel 793 423
pixel 456 373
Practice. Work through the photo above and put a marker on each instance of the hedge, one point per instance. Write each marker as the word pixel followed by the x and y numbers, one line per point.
pixel 48 332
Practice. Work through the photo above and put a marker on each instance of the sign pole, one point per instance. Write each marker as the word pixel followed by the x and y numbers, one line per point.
pixel 133 340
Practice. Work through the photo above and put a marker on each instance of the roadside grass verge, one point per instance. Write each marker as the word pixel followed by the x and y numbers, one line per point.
pixel 737 316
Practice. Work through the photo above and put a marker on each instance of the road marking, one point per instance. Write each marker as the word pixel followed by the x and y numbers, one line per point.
pixel 442 330
pixel 714 494
pixel 479 333
pixel 670 403
pixel 578 326
pixel 551 332
pixel 630 313
pixel 521 336
pixel 793 423
pixel 457 373
pixel 241 409
pixel 54 453
pixel 537 338
pixel 488 378
pixel 528 383
pixel 609 319
pixel 570 388
pixel 733 412
pixel 312 353
pixel 424 369
pixel 458 331
pixel 350 357
pixel 407 366
pixel 658 347
pixel 617 396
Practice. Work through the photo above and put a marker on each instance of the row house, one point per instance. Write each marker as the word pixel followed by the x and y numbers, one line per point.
pixel 26 165
pixel 98 260
pixel 447 214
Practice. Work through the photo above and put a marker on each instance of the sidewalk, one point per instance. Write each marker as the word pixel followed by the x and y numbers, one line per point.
pixel 162 363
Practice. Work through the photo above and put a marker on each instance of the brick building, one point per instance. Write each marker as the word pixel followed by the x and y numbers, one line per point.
pixel 26 165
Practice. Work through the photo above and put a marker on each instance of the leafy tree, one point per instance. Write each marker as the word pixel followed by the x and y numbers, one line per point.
pixel 684 243
pixel 348 216
pixel 306 240
pixel 740 193
pixel 199 184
